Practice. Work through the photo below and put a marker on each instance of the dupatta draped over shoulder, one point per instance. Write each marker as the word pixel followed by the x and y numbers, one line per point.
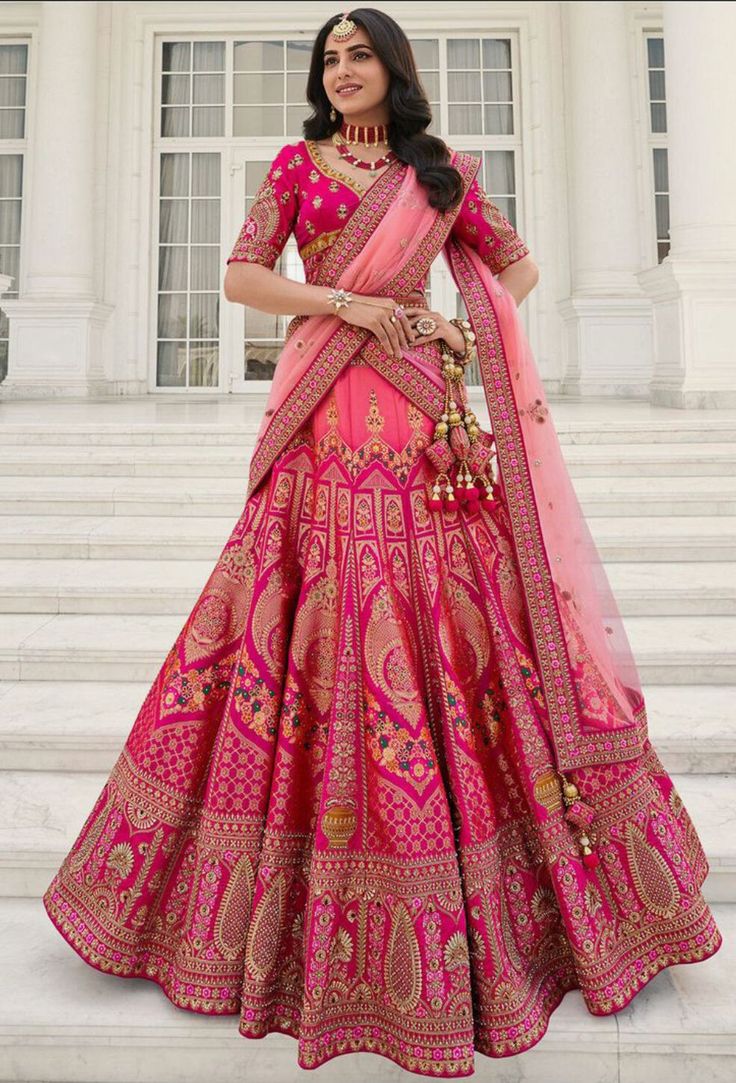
pixel 591 685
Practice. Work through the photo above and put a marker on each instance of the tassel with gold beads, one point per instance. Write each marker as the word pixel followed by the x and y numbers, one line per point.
pixel 467 450
pixel 581 815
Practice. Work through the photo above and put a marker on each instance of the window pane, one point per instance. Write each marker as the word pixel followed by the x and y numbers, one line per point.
pixel 209 89
pixel 204 364
pixel 662 206
pixel 656 86
pixel 250 89
pixel 426 52
pixel 177 56
pixel 175 122
pixel 298 54
pixel 497 86
pixel 431 83
pixel 661 176
pixel 171 364
pixel 296 87
pixel 208 120
pixel 174 174
pixel 11 174
pixel 500 172
pixel 206 267
pixel 499 120
pixel 174 221
pixel 655 52
pixel 659 117
pixel 295 115
pixel 205 174
pixel 9 264
pixel 176 89
pixel 258 56
pixel 463 53
pixel 204 315
pixel 13 91
pixel 172 315
pixel 497 53
pixel 13 59
pixel 465 119
pixel 9 221
pixel 209 56
pixel 172 267
pixel 258 120
pixel 12 124
pixel 463 86
pixel 205 221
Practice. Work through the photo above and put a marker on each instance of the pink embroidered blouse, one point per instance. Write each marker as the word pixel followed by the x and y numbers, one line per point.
pixel 302 193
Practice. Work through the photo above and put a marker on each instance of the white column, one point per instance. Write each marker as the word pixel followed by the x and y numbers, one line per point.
pixel 694 288
pixel 56 322
pixel 607 317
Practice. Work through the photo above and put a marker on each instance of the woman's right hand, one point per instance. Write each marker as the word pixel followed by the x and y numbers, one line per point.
pixel 374 313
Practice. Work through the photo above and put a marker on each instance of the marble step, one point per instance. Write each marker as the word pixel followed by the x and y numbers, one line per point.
pixel 82 725
pixel 229 460
pixel 568 416
pixel 55 434
pixel 172 586
pixel 42 813
pixel 644 539
pixel 68 1022
pixel 623 496
pixel 80 646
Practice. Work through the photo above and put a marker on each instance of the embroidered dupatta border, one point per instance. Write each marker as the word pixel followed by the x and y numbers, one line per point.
pixel 347 340
pixel 573 746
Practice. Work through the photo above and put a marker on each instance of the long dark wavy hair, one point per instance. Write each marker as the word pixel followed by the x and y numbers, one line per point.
pixel 410 112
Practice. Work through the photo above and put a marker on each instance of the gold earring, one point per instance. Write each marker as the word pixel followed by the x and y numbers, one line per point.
pixel 333 114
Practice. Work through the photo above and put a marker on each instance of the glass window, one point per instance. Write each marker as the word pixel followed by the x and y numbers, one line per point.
pixel 13 87
pixel 188 332
pixel 658 142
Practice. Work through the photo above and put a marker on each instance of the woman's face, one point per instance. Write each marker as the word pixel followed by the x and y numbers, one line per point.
pixel 354 61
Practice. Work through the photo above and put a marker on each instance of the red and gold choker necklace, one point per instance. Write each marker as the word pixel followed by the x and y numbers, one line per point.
pixel 367 134
pixel 360 163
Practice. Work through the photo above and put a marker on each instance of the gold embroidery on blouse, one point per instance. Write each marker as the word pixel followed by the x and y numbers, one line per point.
pixel 256 239
pixel 324 240
pixel 326 168
pixel 510 247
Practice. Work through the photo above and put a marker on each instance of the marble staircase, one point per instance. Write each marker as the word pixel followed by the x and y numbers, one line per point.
pixel 111 517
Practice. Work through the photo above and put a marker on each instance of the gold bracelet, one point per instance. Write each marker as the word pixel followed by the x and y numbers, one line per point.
pixel 469 337
pixel 339 298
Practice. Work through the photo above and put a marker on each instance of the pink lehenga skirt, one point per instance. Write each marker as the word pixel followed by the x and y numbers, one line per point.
pixel 337 815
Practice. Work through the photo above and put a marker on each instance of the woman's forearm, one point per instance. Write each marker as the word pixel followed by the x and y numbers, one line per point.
pixel 520 278
pixel 259 287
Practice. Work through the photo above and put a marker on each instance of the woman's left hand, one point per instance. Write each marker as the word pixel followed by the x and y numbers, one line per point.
pixel 452 335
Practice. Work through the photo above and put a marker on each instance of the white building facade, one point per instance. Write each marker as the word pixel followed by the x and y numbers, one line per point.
pixel 133 137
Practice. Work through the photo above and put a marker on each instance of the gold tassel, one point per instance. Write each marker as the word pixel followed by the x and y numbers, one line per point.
pixel 580 814
pixel 467 450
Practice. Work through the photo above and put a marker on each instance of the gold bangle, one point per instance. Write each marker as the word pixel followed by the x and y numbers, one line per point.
pixel 339 298
pixel 469 336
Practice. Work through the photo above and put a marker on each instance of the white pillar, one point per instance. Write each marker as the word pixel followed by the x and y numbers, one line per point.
pixel 607 317
pixel 694 288
pixel 56 322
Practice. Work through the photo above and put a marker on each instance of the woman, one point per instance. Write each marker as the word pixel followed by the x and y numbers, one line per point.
pixel 392 789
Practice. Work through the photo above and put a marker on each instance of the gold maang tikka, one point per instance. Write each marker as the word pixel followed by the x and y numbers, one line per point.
pixel 344 29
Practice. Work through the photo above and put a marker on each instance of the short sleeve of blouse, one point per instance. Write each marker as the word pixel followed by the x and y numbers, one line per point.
pixel 481 224
pixel 272 214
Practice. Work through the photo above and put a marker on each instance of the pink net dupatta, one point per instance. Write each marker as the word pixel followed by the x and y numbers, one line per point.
pixel 386 248
pixel 592 687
